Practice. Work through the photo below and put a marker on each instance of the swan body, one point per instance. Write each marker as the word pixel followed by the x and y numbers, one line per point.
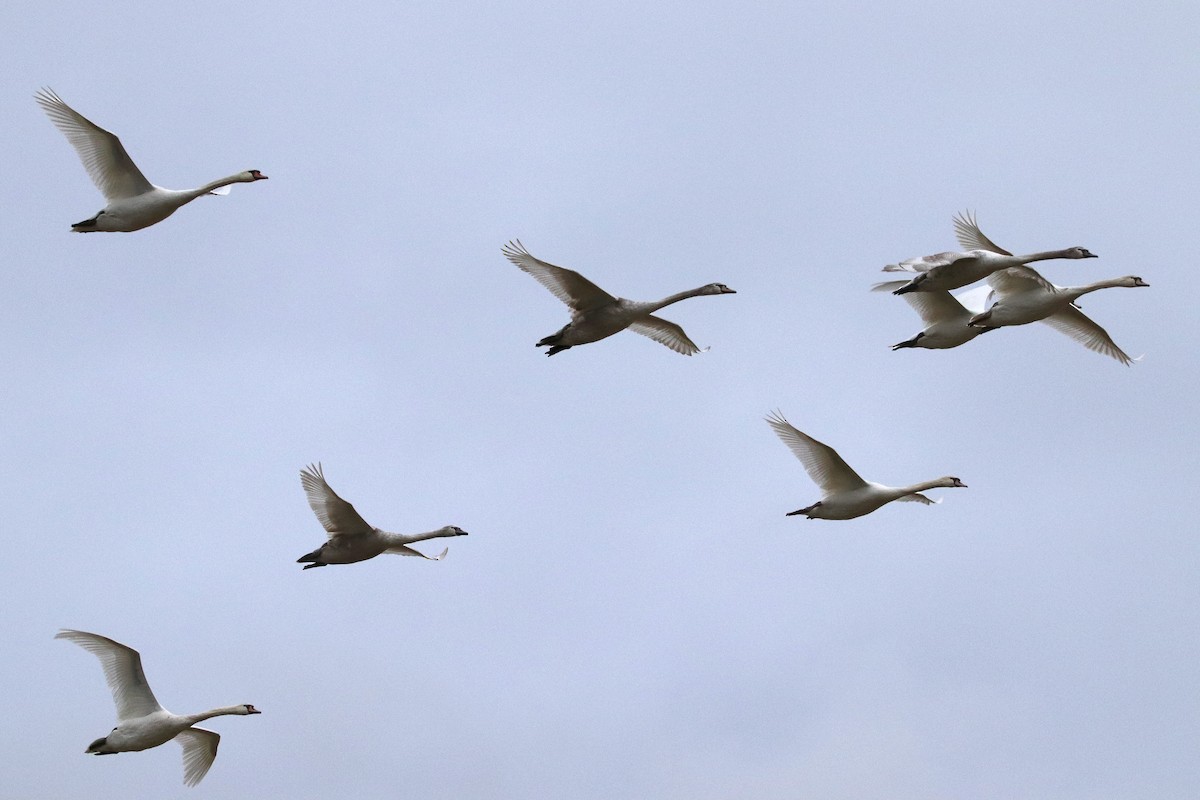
pixel 351 539
pixel 1024 296
pixel 946 316
pixel 596 314
pixel 953 270
pixel 133 202
pixel 845 495
pixel 141 722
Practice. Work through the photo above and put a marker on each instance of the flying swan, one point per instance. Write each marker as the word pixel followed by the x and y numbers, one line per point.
pixel 141 722
pixel 845 495
pixel 946 316
pixel 350 537
pixel 133 202
pixel 953 270
pixel 596 314
pixel 1024 296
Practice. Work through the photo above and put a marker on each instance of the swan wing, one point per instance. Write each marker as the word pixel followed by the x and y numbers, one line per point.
pixel 936 307
pixel 103 156
pixel 566 284
pixel 966 230
pixel 975 301
pixel 1079 326
pixel 926 263
pixel 664 332
pixel 199 751
pixel 918 498
pixel 123 671
pixel 336 515
pixel 405 550
pixel 1018 280
pixel 821 462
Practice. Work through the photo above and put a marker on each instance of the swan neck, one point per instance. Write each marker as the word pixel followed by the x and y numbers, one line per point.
pixel 1079 291
pixel 674 298
pixel 216 712
pixel 1045 255
pixel 239 177
pixel 394 539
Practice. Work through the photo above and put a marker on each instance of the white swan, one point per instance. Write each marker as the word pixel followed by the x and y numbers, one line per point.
pixel 845 494
pixel 946 316
pixel 133 202
pixel 953 270
pixel 596 314
pixel 1024 296
pixel 350 537
pixel 141 722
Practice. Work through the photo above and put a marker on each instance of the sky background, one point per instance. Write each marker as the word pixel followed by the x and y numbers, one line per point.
pixel 632 615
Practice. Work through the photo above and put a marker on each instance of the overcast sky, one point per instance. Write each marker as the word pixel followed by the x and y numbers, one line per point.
pixel 632 615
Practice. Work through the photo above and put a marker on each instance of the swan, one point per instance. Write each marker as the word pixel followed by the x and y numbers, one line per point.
pixel 596 314
pixel 1024 296
pixel 133 202
pixel 141 722
pixel 953 270
pixel 946 316
pixel 845 494
pixel 350 537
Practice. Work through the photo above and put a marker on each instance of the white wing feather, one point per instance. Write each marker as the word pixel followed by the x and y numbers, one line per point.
pixel 336 515
pixel 821 462
pixel 966 230
pixel 1081 328
pixel 199 751
pixel 566 284
pixel 102 154
pixel 123 671
pixel 666 333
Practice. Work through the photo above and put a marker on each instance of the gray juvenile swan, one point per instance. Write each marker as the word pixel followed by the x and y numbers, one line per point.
pixel 350 537
pixel 133 202
pixel 141 722
pixel 953 270
pixel 596 314
pixel 845 495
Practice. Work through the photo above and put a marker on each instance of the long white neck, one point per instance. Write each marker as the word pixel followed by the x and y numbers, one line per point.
pixel 919 487
pixel 1045 255
pixel 396 539
pixel 241 177
pixel 1075 292
pixel 216 712
pixel 653 306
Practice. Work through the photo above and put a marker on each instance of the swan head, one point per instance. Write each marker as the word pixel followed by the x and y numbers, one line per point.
pixel 251 175
pixel 453 530
pixel 246 708
pixel 950 482
pixel 1078 252
pixel 1132 280
pixel 717 288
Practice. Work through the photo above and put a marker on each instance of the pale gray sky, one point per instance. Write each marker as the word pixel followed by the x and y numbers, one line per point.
pixel 632 616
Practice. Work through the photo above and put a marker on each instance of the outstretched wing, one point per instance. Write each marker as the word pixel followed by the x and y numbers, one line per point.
pixel 664 332
pixel 966 230
pixel 1079 326
pixel 103 156
pixel 123 671
pixel 566 284
pixel 1017 280
pixel 337 516
pixel 926 263
pixel 199 751
pixel 405 550
pixel 821 462
pixel 936 307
